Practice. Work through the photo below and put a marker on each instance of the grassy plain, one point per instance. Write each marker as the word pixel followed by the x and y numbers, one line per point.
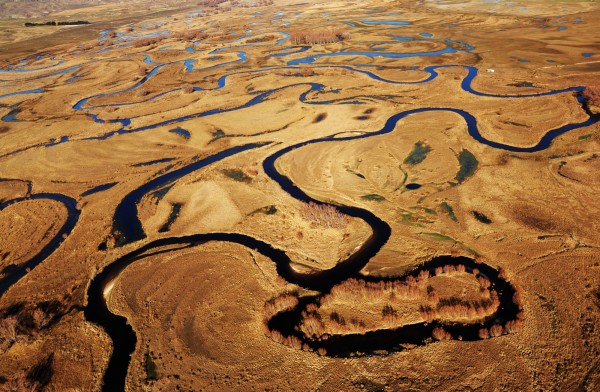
pixel 102 110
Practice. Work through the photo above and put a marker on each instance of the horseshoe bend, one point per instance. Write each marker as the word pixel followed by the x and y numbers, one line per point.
pixel 380 195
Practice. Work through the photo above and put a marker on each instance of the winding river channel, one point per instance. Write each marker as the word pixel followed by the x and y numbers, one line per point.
pixel 285 322
pixel 127 227
pixel 70 204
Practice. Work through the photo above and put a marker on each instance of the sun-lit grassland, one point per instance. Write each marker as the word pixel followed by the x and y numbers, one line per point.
pixel 17 39
pixel 201 313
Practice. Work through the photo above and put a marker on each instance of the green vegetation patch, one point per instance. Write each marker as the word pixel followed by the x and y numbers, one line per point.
pixel 411 219
pixel 237 175
pixel 425 209
pixel 445 238
pixel 418 154
pixel 268 210
pixel 449 210
pixel 440 237
pixel 468 166
pixel 373 197
pixel 151 368
pixel 584 137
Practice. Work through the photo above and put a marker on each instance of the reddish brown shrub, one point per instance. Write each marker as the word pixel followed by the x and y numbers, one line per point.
pixel 290 341
pixel 8 332
pixel 319 36
pixel 427 313
pixel 440 333
pixel 483 282
pixel 591 94
pixel 141 70
pixel 312 326
pixel 147 41
pixel 30 320
pixel 293 342
pixel 433 296
pixel 502 273
pixel 455 308
pixel 307 71
pixel 323 215
pixel 484 333
pixel 264 38
pixel 496 330
pixel 279 304
pixel 449 269
pixel 485 293
pixel 513 326
pixel 191 35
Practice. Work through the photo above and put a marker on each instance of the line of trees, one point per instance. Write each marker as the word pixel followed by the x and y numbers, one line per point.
pixel 54 23
pixel 279 304
pixel 454 308
pixel 496 330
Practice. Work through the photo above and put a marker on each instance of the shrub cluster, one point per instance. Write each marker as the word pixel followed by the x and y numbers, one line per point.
pixel 264 38
pixel 440 333
pixel 279 304
pixel 147 41
pixel 323 215
pixel 27 321
pixel 496 330
pixel 191 35
pixel 319 36
pixel 454 308
pixel 312 325
pixel 290 341
pixel 591 94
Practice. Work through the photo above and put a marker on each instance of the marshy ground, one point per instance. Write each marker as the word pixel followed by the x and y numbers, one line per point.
pixel 286 195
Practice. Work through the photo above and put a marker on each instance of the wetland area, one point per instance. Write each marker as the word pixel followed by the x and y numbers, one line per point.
pixel 300 195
